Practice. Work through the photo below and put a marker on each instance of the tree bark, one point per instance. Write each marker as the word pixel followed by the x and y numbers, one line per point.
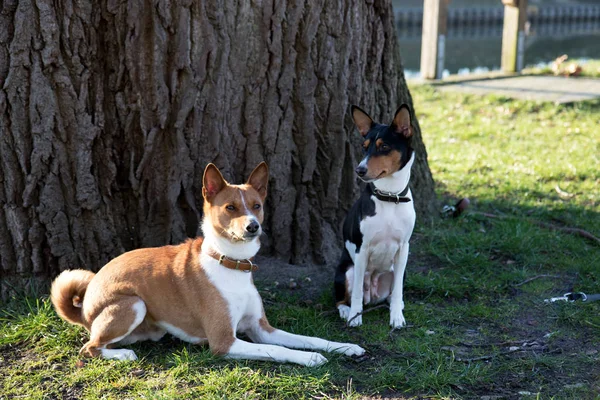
pixel 110 110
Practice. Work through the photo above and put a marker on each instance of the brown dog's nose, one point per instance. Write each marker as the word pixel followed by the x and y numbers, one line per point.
pixel 361 170
pixel 252 227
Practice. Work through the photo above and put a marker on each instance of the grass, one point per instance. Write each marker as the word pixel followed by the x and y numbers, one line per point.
pixel 474 331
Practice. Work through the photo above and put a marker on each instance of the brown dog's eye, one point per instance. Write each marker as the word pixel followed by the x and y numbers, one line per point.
pixel 384 147
pixel 230 207
pixel 257 206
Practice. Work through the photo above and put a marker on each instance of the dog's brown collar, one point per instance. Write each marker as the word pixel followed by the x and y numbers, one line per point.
pixel 240 265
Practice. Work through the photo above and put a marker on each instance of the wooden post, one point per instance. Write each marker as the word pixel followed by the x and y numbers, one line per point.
pixel 433 44
pixel 513 35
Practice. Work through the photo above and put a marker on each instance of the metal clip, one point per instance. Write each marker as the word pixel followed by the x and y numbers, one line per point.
pixel 448 211
pixel 221 258
pixel 576 296
pixel 251 266
pixel 553 299
pixel 570 297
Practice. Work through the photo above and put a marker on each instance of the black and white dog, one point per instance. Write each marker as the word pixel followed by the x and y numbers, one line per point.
pixel 380 223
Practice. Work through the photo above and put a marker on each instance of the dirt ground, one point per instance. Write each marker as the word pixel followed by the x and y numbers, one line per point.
pixel 274 272
pixel 306 281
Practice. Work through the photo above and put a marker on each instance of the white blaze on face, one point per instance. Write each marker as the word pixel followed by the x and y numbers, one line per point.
pixel 250 217
pixel 364 162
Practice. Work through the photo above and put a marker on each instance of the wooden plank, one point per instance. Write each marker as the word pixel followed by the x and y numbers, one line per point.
pixel 435 15
pixel 513 35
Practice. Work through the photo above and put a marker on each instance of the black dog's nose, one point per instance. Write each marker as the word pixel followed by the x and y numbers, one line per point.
pixel 253 227
pixel 361 170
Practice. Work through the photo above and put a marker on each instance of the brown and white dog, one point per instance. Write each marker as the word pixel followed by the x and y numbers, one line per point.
pixel 200 291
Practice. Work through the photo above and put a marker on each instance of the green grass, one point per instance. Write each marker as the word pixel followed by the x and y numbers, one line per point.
pixel 465 304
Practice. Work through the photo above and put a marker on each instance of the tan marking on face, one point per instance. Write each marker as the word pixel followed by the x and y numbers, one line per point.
pixel 232 223
pixel 231 208
pixel 379 143
pixel 366 143
pixel 383 165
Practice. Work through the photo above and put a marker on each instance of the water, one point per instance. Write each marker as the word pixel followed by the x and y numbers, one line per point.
pixel 477 47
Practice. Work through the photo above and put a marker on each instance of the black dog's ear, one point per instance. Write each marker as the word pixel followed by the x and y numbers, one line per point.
pixel 362 120
pixel 401 122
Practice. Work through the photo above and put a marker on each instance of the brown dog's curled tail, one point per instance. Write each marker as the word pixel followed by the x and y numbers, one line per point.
pixel 67 294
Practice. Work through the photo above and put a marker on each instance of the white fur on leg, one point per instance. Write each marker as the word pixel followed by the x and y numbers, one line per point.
pixel 397 303
pixel 344 311
pixel 397 318
pixel 118 354
pixel 139 308
pixel 292 340
pixel 356 298
pixel 265 352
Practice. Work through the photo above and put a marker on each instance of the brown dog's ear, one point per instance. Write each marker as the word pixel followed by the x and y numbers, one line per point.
pixel 362 120
pixel 212 182
pixel 259 179
pixel 401 123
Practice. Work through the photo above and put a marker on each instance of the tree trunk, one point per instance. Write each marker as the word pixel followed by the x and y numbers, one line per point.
pixel 109 113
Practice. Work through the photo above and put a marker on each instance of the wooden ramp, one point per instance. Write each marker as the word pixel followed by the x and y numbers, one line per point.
pixel 544 88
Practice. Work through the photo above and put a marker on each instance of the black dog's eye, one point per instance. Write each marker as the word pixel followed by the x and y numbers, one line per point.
pixel 230 207
pixel 384 147
pixel 257 206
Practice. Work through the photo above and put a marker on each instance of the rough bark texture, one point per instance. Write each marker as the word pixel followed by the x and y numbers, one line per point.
pixel 110 110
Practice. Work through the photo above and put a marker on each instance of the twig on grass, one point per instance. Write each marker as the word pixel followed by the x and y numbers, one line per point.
pixel 573 231
pixel 511 350
pixel 566 229
pixel 562 194
pixel 537 277
pixel 366 311
pixel 488 357
pixel 514 347
pixel 329 312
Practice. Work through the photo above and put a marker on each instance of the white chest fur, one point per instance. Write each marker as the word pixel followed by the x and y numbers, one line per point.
pixel 237 290
pixel 383 233
pixel 392 224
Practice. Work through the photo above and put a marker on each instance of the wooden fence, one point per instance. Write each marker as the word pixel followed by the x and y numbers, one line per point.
pixel 554 14
pixel 435 18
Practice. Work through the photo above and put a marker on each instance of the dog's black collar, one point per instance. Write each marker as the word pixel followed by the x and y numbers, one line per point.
pixel 391 197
